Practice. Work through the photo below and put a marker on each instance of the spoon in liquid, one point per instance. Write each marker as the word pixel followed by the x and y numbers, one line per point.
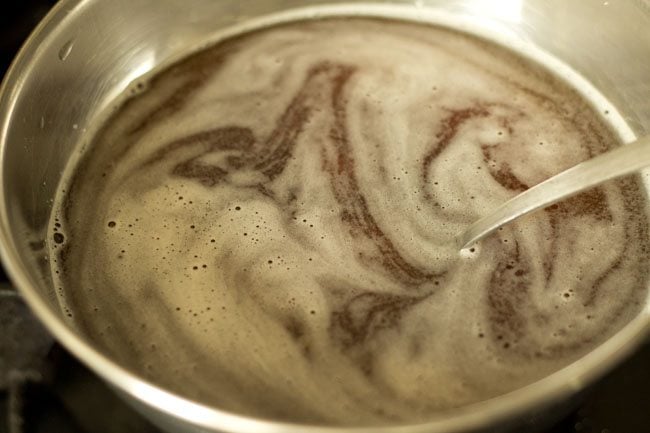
pixel 609 165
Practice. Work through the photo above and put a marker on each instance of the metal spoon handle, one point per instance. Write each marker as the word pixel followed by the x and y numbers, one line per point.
pixel 615 163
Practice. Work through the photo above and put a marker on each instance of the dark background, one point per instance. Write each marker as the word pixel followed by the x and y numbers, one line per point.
pixel 70 399
pixel 17 19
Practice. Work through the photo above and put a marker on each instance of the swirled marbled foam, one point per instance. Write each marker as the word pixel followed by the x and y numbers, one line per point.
pixel 266 227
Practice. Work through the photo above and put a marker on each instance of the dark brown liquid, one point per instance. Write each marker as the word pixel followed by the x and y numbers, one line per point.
pixel 266 228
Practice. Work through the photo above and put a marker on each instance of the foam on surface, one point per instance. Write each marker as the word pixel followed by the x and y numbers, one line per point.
pixel 267 226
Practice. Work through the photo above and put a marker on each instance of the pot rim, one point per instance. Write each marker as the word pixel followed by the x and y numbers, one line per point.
pixel 551 389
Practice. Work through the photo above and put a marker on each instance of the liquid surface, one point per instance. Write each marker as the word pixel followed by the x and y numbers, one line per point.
pixel 267 227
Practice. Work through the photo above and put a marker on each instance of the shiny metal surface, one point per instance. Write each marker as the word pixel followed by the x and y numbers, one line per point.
pixel 85 53
pixel 611 165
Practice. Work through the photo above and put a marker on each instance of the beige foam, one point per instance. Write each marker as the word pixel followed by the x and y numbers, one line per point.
pixel 280 212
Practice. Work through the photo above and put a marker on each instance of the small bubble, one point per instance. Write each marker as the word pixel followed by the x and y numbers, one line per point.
pixel 237 208
pixel 111 224
pixel 58 238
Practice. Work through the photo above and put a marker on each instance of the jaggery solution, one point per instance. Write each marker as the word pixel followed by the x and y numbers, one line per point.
pixel 265 225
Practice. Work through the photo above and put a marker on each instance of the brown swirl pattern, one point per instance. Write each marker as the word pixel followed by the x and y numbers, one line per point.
pixel 266 227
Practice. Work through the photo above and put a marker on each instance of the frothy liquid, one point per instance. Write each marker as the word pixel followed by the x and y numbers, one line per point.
pixel 267 227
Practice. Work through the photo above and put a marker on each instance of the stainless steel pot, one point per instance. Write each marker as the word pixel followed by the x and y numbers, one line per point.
pixel 85 52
